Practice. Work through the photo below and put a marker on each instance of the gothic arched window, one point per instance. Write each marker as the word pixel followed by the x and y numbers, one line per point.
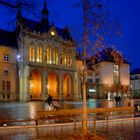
pixel 69 59
pixel 64 59
pixel 55 56
pixel 31 53
pixel 49 55
pixel 39 54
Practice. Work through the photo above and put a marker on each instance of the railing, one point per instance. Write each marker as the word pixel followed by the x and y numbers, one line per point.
pixel 74 116
pixel 74 119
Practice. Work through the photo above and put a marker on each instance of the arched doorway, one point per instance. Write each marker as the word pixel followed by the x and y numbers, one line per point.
pixel 52 85
pixel 67 86
pixel 35 85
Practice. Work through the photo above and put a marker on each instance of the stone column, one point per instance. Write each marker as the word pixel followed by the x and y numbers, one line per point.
pixel 75 86
pixel 60 86
pixel 27 83
pixel 21 82
pixel 24 82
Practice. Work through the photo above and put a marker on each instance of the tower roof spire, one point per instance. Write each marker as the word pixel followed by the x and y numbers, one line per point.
pixel 45 12
pixel 45 7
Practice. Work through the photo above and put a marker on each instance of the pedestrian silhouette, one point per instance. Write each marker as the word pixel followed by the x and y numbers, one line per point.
pixel 116 99
pixel 49 100
pixel 119 100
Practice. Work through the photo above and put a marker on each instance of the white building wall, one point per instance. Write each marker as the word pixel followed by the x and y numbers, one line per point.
pixel 125 74
pixel 106 73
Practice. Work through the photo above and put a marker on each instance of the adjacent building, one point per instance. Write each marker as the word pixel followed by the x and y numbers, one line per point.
pixel 111 74
pixel 135 83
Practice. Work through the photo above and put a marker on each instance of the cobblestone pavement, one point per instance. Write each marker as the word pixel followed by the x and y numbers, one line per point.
pixel 119 129
pixel 123 129
pixel 16 110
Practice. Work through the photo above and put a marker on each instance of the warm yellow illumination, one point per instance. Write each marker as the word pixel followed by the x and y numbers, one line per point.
pixel 35 85
pixel 31 85
pixel 52 33
pixel 55 56
pixel 64 60
pixel 52 82
pixel 49 55
pixel 39 54
pixel 48 86
pixel 67 86
pixel 31 53
pixel 116 74
pixel 69 59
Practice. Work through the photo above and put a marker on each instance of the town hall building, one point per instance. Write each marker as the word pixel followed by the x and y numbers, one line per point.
pixel 37 60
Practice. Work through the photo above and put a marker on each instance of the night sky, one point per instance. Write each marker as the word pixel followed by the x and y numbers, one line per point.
pixel 62 12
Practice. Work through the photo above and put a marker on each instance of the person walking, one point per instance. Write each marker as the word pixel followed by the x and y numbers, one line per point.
pixel 49 99
pixel 116 99
pixel 119 101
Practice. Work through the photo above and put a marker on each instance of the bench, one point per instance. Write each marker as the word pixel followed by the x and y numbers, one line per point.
pixel 58 116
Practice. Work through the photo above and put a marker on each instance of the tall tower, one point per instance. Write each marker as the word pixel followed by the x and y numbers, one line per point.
pixel 45 13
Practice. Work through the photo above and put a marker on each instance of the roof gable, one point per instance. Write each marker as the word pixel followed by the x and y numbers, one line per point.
pixel 44 27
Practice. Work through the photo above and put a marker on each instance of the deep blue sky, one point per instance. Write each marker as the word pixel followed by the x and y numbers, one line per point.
pixel 63 13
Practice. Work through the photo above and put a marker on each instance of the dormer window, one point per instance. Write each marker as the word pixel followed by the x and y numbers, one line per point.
pixel 52 33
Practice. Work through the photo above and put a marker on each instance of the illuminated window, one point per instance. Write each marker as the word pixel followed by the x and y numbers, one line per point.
pixel 6 57
pixel 39 54
pixel 116 74
pixel 69 59
pixel 55 56
pixel 49 55
pixel 64 60
pixel 5 72
pixel 31 53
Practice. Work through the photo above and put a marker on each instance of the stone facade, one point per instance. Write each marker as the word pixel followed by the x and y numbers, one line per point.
pixel 8 74
pixel 41 61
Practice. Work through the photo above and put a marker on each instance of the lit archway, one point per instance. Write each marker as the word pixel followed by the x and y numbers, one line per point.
pixel 52 85
pixel 35 85
pixel 67 86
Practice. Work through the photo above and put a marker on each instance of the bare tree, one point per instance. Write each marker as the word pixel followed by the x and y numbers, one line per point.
pixel 13 6
pixel 96 27
pixel 102 29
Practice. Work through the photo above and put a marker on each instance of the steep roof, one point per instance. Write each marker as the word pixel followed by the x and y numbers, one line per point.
pixel 44 27
pixel 135 71
pixel 109 55
pixel 8 38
